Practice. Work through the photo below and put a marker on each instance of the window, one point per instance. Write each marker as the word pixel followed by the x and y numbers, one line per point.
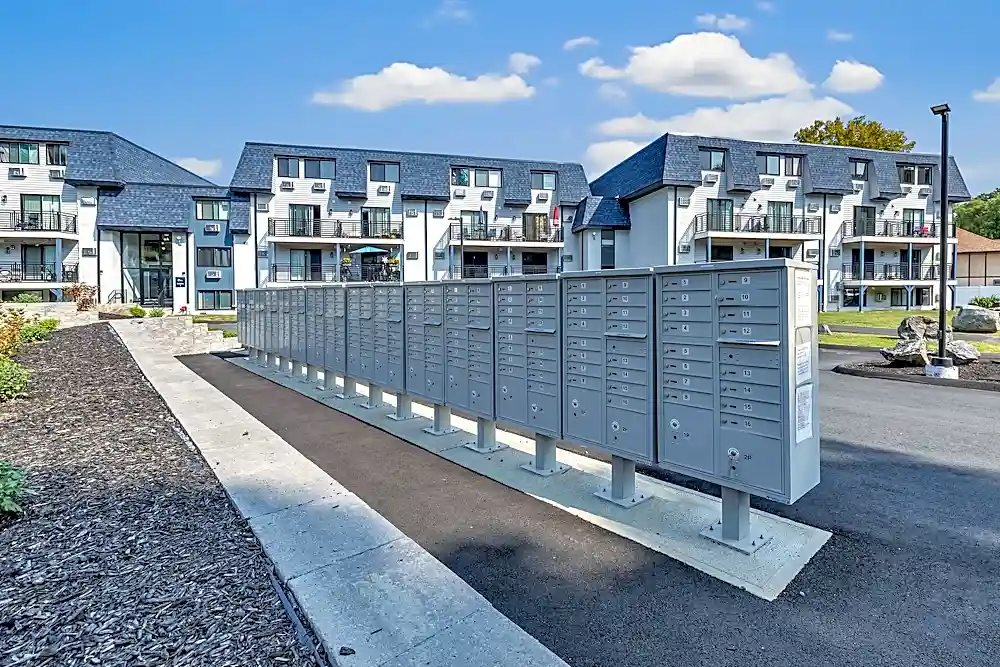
pixel 779 217
pixel 384 172
pixel 769 165
pixel 288 167
pixel 17 153
pixel 786 251
pixel 859 170
pixel 496 178
pixel 55 154
pixel 39 210
pixel 913 222
pixel 719 214
pixel 721 253
pixel 319 169
pixel 907 174
pixel 215 300
pixel 713 160
pixel 460 176
pixel 543 180
pixel 793 165
pixel 215 257
pixel 607 248
pixel 924 175
pixel 211 209
pixel 897 296
pixel 482 178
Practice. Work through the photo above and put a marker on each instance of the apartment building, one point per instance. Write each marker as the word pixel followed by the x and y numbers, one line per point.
pixel 92 207
pixel 319 214
pixel 869 220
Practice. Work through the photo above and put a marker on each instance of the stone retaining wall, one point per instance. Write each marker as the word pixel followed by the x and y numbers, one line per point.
pixel 64 311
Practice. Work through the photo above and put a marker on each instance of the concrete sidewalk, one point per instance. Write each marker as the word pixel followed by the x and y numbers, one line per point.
pixel 361 583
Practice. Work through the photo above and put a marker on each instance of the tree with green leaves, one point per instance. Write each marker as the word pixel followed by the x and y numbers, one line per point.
pixel 981 215
pixel 858 132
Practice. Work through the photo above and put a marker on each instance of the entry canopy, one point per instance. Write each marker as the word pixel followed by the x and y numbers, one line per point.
pixel 369 250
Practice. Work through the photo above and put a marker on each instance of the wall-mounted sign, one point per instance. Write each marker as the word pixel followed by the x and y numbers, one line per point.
pixel 180 281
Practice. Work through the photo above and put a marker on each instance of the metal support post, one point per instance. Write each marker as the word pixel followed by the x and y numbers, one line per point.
pixel 374 399
pixel 486 437
pixel 265 360
pixel 299 371
pixel 329 380
pixel 280 363
pixel 251 354
pixel 404 408
pixel 350 389
pixel 622 489
pixel 734 529
pixel 545 463
pixel 312 374
pixel 442 421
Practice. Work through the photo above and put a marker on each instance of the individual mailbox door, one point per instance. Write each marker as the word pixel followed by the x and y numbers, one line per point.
pixel 468 340
pixel 423 304
pixel 388 370
pixel 315 327
pixel 360 332
pixel 334 329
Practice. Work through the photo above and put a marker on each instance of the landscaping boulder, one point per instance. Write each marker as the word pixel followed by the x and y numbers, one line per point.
pixel 973 319
pixel 961 352
pixel 908 352
pixel 917 327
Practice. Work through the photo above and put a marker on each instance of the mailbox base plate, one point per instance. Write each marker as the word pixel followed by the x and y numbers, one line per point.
pixel 628 501
pixel 559 469
pixel 748 545
pixel 446 431
pixel 484 449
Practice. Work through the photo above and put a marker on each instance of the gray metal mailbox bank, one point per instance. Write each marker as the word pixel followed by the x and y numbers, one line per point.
pixel 335 337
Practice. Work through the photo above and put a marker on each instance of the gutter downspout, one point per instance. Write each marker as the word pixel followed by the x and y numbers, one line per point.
pixel 673 250
pixel 253 231
pixel 823 252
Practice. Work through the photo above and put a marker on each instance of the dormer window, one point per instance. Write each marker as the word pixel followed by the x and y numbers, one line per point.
pixel 907 175
pixel 793 165
pixel 924 175
pixel 859 170
pixel 288 167
pixel 769 165
pixel 55 155
pixel 713 160
pixel 543 180
pixel 320 169
pixel 384 172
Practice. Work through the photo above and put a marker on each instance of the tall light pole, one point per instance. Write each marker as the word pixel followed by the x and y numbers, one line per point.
pixel 941 361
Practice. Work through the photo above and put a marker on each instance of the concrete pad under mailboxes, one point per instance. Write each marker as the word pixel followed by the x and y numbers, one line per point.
pixel 670 522
pixel 385 601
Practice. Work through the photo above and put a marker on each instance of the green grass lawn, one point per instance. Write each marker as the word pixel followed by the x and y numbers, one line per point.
pixel 209 319
pixel 876 319
pixel 870 340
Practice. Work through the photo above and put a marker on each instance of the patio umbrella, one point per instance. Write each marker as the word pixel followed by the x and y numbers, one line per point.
pixel 368 250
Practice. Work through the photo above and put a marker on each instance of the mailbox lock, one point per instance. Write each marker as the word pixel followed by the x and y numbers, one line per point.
pixel 534 407
pixel 503 389
pixel 575 403
pixel 615 426
pixel 734 455
pixel 674 424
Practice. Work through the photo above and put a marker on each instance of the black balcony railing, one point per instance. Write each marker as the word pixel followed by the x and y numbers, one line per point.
pixel 333 229
pixel 891 271
pixel 894 228
pixel 531 233
pixel 37 273
pixel 26 221
pixel 370 273
pixel 488 271
pixel 327 273
pixel 758 224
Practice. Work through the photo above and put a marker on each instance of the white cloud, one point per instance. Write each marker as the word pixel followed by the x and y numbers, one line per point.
pixel 204 168
pixel 765 6
pixel 577 42
pixel 522 63
pixel 850 76
pixel 403 83
pixel 774 119
pixel 453 10
pixel 612 92
pixel 989 94
pixel 603 155
pixel 838 36
pixel 722 22
pixel 705 64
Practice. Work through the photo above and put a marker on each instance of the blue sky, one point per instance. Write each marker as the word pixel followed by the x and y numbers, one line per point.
pixel 197 79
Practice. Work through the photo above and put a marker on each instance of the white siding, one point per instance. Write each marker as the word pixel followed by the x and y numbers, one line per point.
pixel 244 255
pixel 648 242
pixel 182 256
pixel 86 223
pixel 111 263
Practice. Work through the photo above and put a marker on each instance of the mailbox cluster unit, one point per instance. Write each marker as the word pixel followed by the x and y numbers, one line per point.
pixel 706 370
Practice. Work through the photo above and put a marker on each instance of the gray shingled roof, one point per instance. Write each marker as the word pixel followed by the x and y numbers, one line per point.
pixel 674 160
pixel 600 213
pixel 421 175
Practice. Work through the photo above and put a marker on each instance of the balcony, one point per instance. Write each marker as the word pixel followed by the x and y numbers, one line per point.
pixel 881 271
pixel 327 273
pixel 886 228
pixel 505 233
pixel 757 224
pixel 37 273
pixel 488 271
pixel 26 221
pixel 334 229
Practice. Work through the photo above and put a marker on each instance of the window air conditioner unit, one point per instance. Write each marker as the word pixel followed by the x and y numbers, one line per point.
pixel 858 187
pixel 834 252
pixel 834 208
pixel 262 254
pixel 383 190
pixel 459 193
pixel 812 207
pixel 683 247
pixel 486 194
pixel 262 207
pixel 792 183
pixel 924 191
pixel 56 174
pixel 319 187
pixel 880 296
pixel 766 181
pixel 88 201
pixel 88 252
pixel 16 172
pixel 437 213
pixel 411 213
pixel 684 201
pixel 213 274
pixel 213 228
pixel 569 219
pixel 287 185
pixel 834 298
pixel 542 196
pixel 996 281
pixel 906 188
pixel 711 178
pixel 812 253
pixel 439 254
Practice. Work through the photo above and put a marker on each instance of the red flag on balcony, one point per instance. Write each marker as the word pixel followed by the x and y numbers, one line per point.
pixel 555 216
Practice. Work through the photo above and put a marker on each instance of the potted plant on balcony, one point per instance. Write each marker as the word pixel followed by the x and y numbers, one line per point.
pixel 345 261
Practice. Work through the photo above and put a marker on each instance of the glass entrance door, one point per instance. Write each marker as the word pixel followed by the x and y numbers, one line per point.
pixel 147 269
pixel 155 287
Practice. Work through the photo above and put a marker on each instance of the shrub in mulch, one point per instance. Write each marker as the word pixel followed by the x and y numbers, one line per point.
pixel 130 552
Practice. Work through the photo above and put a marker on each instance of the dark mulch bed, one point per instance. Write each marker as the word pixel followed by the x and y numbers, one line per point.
pixel 130 553
pixel 984 371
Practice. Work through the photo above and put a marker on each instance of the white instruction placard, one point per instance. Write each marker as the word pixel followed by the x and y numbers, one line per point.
pixel 803 299
pixel 803 363
pixel 803 413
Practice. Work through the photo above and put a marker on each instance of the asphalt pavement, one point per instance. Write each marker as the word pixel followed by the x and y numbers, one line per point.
pixel 910 490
